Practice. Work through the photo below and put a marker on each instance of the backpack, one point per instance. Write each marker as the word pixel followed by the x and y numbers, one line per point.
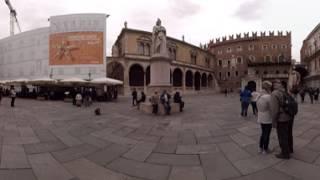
pixel 289 105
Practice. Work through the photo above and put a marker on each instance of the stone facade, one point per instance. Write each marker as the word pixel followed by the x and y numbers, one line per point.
pixel 310 57
pixel 251 57
pixel 192 68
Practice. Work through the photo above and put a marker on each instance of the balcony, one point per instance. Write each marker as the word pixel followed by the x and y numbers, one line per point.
pixel 275 76
pixel 262 63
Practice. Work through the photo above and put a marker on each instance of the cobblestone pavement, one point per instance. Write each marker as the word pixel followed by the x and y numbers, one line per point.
pixel 46 140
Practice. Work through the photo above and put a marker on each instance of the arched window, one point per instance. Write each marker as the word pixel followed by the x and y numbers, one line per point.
pixel 177 77
pixel 281 58
pixel 141 48
pixel 239 60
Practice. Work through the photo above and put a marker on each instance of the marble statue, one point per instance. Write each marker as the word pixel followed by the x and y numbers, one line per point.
pixel 159 41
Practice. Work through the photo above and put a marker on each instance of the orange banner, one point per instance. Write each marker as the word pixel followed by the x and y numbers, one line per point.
pixel 76 48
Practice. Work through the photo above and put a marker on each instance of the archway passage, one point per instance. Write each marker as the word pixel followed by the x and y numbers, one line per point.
pixel 177 77
pixel 252 86
pixel 204 80
pixel 210 81
pixel 148 75
pixel 189 79
pixel 136 75
pixel 115 70
pixel 197 81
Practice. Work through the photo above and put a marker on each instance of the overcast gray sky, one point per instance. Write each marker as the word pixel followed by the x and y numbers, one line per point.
pixel 198 20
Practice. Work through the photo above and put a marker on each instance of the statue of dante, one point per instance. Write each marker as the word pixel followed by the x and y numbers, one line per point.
pixel 159 42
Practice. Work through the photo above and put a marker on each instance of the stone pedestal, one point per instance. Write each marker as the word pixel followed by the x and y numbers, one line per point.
pixel 159 74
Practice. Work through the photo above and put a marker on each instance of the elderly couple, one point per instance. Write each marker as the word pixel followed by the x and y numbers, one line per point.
pixel 272 113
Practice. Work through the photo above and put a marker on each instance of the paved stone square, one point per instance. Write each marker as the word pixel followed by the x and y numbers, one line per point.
pixel 53 140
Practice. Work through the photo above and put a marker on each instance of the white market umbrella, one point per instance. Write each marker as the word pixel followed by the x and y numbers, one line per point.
pixel 73 81
pixel 107 81
pixel 44 80
pixel 18 81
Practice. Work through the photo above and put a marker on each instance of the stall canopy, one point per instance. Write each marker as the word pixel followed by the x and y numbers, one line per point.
pixel 106 80
pixel 42 81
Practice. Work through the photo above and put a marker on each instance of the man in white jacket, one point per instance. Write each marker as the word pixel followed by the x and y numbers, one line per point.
pixel 264 116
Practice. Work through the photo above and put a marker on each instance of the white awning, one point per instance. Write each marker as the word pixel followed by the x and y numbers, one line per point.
pixel 107 81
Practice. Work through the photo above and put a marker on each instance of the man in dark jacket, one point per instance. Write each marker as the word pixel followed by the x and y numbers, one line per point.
pixel 281 120
pixel 134 97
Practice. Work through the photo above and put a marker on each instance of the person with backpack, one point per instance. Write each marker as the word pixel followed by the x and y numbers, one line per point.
pixel 283 109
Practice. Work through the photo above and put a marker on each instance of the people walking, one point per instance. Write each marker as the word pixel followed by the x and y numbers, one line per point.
pixel 254 96
pixel 178 99
pixel 316 95
pixel 283 109
pixel 134 97
pixel 264 116
pixel 155 102
pixel 245 97
pixel 311 94
pixel 165 100
pixel 12 95
pixel 142 99
pixel 302 94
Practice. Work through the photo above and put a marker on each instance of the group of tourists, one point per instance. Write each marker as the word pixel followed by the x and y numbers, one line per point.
pixel 164 99
pixel 312 92
pixel 275 107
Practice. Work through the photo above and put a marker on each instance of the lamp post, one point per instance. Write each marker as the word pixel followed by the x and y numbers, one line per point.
pixel 107 16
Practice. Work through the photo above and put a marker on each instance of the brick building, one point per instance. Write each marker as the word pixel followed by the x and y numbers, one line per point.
pixel 244 58
pixel 310 57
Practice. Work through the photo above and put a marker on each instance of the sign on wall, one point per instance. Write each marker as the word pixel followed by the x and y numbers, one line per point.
pixel 76 48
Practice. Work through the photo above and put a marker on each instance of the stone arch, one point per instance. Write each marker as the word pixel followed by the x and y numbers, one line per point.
pixel 177 77
pixel 189 78
pixel 197 81
pixel 148 75
pixel 136 75
pixel 210 80
pixel 115 70
pixel 204 80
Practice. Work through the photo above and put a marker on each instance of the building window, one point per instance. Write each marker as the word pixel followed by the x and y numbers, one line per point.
pixel 245 72
pixel 284 46
pixel 220 52
pixel 141 48
pixel 257 72
pixel 252 58
pixel 220 63
pixel 229 50
pixel 229 63
pixel 237 73
pixel 274 46
pixel 265 72
pixel 267 59
pixel 229 74
pixel 220 75
pixel 207 60
pixel 281 58
pixel 147 50
pixel 277 72
pixel 251 47
pixel 239 48
pixel 193 59
pixel 265 46
pixel 285 72
pixel 239 60
pixel 173 53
